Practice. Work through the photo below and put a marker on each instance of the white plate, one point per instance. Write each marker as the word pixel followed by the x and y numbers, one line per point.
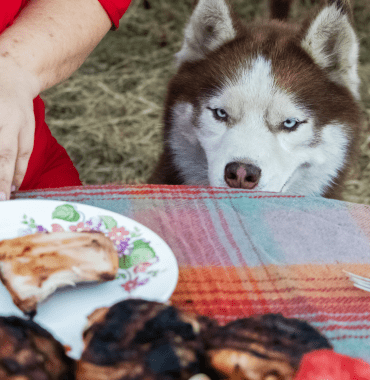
pixel 153 276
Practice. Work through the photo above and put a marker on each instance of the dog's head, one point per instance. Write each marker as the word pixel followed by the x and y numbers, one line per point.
pixel 267 106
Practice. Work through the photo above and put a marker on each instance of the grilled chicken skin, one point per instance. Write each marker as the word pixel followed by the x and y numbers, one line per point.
pixel 33 266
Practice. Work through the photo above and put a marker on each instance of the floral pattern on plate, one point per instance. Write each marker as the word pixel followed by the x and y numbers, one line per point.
pixel 136 256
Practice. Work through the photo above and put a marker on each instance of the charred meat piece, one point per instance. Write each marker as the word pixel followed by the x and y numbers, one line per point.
pixel 28 352
pixel 136 339
pixel 33 266
pixel 269 346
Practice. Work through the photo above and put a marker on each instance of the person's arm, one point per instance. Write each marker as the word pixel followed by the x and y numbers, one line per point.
pixel 47 42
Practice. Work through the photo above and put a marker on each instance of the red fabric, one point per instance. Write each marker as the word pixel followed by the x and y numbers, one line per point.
pixel 115 9
pixel 50 165
pixel 9 11
pixel 328 365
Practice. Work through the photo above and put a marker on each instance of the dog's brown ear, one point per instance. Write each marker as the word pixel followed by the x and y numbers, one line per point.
pixel 210 26
pixel 332 43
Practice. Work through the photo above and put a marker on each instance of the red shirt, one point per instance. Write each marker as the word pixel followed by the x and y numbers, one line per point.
pixel 49 165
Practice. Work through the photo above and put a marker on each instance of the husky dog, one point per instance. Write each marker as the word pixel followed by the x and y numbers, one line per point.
pixel 268 106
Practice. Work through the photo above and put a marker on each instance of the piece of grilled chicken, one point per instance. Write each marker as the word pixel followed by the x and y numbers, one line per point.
pixel 29 352
pixel 32 267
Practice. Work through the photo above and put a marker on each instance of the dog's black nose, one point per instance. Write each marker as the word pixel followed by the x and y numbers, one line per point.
pixel 241 175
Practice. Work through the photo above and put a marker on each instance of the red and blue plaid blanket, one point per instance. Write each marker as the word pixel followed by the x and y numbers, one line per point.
pixel 242 253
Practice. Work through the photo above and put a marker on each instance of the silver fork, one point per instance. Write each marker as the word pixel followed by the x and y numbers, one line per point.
pixel 359 281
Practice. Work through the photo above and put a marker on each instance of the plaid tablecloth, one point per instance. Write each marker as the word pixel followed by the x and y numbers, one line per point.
pixel 242 253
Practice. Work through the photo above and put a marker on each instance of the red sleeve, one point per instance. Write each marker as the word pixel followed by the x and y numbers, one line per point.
pixel 115 9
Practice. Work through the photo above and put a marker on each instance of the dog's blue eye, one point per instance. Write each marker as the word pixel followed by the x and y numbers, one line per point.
pixel 220 114
pixel 290 123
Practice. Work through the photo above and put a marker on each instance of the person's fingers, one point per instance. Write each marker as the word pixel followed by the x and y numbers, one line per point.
pixel 8 156
pixel 200 376
pixel 25 146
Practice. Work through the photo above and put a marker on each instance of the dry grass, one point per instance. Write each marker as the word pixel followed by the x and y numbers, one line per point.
pixel 108 114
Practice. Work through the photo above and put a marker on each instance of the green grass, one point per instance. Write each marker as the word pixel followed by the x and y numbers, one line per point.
pixel 108 115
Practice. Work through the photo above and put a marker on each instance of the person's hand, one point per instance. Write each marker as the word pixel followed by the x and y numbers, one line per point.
pixel 49 40
pixel 17 125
